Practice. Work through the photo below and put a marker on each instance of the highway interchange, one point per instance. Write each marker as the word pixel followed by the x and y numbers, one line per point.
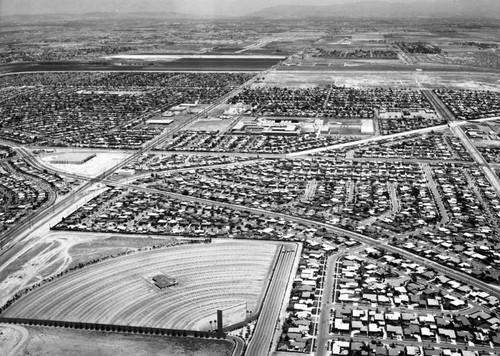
pixel 267 322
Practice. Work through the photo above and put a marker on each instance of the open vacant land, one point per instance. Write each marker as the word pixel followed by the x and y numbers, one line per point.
pixel 102 245
pixel 66 342
pixel 12 337
pixel 209 125
pixel 329 185
pixel 121 290
pixel 185 64
pixel 55 252
pixel 400 79
pixel 91 168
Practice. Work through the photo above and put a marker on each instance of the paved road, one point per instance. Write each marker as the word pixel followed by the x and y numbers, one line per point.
pixel 31 159
pixel 424 343
pixel 19 232
pixel 386 137
pixel 186 169
pixel 445 270
pixel 222 153
pixel 328 299
pixel 28 155
pixel 326 305
pixel 356 236
pixel 275 293
pixel 14 239
pixel 454 125
pixel 441 109
pixel 437 196
pixel 262 337
pixel 367 140
pixel 478 158
pixel 239 345
pixel 405 160
pixel 31 215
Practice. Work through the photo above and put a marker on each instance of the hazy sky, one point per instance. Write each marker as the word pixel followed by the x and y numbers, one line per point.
pixel 213 7
pixel 8 7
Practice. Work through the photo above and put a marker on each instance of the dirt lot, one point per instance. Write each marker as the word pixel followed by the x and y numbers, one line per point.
pixel 57 251
pixel 361 79
pixel 91 168
pixel 111 245
pixel 67 342
pixel 12 337
pixel 209 125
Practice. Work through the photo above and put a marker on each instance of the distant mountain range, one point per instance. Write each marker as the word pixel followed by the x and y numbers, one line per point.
pixel 385 9
pixel 36 7
pixel 265 9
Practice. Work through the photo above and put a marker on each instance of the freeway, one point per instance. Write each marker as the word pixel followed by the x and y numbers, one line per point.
pixel 262 338
pixel 31 215
pixel 165 136
pixel 151 144
pixel 30 158
pixel 19 232
pixel 460 276
pixel 145 148
pixel 266 323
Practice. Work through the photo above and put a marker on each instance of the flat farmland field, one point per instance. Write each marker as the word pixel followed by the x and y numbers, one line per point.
pixel 250 64
pixel 360 79
pixel 48 341
pixel 306 78
pixel 185 64
pixel 121 290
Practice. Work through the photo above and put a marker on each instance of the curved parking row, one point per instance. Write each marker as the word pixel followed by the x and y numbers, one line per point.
pixel 121 290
